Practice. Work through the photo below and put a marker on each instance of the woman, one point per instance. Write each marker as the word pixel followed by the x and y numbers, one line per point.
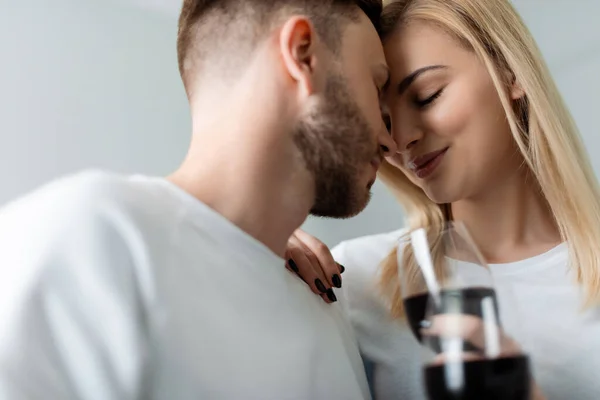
pixel 485 138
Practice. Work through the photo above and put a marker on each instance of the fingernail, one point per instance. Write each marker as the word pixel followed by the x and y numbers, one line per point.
pixel 331 295
pixel 320 286
pixel 293 265
pixel 337 281
pixel 342 268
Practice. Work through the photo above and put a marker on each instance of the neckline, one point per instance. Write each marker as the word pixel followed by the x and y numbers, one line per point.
pixel 531 264
pixel 200 215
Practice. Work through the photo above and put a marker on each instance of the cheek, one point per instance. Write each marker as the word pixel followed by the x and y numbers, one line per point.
pixel 474 124
pixel 451 116
pixel 471 119
pixel 369 104
pixel 363 93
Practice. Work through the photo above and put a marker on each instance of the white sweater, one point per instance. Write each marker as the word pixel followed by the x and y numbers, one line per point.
pixel 122 288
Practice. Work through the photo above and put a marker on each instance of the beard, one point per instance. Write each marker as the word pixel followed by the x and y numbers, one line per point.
pixel 336 143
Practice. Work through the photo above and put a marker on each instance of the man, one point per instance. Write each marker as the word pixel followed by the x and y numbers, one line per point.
pixel 116 287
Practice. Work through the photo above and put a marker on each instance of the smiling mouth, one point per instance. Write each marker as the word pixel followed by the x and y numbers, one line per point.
pixel 423 166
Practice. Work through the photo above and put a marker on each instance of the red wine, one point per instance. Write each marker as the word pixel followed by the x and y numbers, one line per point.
pixel 498 379
pixel 463 301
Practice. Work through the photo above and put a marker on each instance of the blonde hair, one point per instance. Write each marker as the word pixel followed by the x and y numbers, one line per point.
pixel 540 123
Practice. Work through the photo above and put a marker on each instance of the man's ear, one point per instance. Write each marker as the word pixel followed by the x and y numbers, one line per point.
pixel 298 45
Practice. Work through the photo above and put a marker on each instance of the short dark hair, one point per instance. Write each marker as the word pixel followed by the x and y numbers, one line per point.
pixel 236 26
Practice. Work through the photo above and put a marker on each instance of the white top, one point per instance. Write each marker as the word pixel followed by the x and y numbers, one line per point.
pixel 539 306
pixel 118 287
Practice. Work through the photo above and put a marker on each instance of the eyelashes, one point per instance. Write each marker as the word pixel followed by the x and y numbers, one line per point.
pixel 424 103
pixel 421 104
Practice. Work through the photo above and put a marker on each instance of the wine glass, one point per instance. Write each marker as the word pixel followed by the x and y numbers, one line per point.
pixel 451 306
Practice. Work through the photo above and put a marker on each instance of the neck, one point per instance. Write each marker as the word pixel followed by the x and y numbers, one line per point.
pixel 248 169
pixel 511 221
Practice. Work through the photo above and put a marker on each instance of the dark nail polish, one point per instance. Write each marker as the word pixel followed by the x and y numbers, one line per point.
pixel 320 286
pixel 337 281
pixel 293 265
pixel 331 295
pixel 342 268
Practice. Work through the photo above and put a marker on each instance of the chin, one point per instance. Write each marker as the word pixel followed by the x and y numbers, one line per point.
pixel 342 206
pixel 361 204
pixel 440 195
pixel 357 203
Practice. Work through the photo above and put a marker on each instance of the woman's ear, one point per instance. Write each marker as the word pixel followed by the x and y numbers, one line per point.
pixel 515 89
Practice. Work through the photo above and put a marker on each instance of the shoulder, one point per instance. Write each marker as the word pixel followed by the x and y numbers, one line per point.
pixel 72 258
pixel 86 200
pixel 61 212
pixel 58 202
pixel 362 258
pixel 78 220
pixel 366 251
pixel 67 196
pixel 75 231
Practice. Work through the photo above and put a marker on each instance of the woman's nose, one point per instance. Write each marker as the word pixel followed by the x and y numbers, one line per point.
pixel 406 138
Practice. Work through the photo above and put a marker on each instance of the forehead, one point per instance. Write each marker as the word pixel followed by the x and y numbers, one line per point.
pixel 417 44
pixel 361 43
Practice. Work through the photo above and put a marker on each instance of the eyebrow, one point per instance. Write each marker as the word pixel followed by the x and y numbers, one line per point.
pixel 406 82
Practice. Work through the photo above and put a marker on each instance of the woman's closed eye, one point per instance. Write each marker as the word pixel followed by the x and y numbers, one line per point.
pixel 429 100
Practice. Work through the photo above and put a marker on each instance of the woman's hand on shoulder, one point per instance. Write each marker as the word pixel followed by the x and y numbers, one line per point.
pixel 312 261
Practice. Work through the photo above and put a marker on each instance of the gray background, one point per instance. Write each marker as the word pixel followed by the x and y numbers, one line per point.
pixel 94 83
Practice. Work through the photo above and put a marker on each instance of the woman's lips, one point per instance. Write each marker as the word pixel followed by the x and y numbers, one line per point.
pixel 425 165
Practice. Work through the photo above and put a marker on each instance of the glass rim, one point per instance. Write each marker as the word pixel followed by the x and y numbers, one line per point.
pixel 450 226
